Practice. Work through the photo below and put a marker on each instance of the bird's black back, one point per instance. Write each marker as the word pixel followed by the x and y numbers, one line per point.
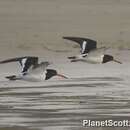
pixel 26 62
pixel 91 44
pixel 31 61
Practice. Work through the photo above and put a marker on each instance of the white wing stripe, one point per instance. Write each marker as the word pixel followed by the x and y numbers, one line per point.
pixel 84 46
pixel 23 63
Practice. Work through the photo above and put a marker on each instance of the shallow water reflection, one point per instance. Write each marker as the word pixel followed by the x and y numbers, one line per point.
pixel 65 105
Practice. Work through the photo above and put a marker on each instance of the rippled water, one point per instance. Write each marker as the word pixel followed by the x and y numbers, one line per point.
pixel 57 105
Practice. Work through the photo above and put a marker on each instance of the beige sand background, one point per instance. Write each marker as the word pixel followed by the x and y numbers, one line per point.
pixel 40 24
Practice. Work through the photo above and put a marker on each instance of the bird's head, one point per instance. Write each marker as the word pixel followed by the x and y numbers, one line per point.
pixel 50 73
pixel 108 58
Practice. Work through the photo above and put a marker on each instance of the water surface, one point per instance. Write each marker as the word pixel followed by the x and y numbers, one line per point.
pixel 57 105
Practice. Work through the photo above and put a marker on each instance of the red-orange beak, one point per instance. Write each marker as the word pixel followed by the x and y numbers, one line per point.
pixel 117 61
pixel 62 76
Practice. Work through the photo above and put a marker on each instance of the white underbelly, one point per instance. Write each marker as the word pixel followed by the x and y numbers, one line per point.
pixel 96 59
pixel 34 78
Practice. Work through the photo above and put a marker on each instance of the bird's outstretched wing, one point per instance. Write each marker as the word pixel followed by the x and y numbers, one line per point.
pixel 86 44
pixel 25 62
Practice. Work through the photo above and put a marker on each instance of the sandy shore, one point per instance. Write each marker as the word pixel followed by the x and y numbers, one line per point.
pixel 41 24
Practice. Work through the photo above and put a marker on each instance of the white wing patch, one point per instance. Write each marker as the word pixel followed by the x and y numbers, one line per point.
pixel 23 62
pixel 84 46
pixel 44 75
pixel 102 56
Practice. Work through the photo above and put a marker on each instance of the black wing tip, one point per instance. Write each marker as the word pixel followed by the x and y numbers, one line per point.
pixel 71 37
pixel 2 62
pixel 78 39
pixel 66 37
pixel 16 59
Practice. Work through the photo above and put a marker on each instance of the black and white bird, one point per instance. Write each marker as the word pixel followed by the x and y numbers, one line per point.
pixel 89 51
pixel 32 70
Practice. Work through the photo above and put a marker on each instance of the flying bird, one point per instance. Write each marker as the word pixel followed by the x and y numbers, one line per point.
pixel 89 51
pixel 32 70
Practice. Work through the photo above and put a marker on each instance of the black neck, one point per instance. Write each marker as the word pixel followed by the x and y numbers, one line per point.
pixel 50 73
